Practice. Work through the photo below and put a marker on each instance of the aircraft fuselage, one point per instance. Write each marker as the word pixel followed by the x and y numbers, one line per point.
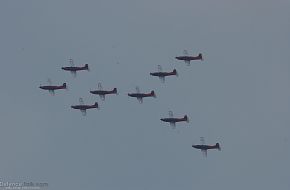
pixel 51 87
pixel 84 107
pixel 162 74
pixel 104 92
pixel 74 68
pixel 189 58
pixel 142 95
pixel 206 147
pixel 139 95
pixel 173 120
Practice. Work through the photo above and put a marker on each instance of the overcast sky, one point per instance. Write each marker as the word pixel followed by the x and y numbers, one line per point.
pixel 238 96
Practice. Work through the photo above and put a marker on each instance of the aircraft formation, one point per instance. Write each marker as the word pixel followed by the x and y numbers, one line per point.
pixel 171 119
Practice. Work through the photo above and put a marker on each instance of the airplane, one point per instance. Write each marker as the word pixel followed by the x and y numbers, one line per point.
pixel 204 147
pixel 73 69
pixel 51 88
pixel 162 75
pixel 83 108
pixel 186 58
pixel 140 96
pixel 102 93
pixel 172 120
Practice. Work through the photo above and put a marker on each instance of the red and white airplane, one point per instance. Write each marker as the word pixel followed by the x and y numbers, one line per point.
pixel 186 58
pixel 83 108
pixel 162 74
pixel 140 95
pixel 51 88
pixel 102 93
pixel 73 69
pixel 173 120
pixel 204 147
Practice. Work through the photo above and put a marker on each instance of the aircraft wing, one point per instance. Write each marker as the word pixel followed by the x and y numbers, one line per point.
pixel 49 81
pixel 170 113
pixel 52 92
pixel 102 96
pixel 137 89
pixel 202 141
pixel 173 125
pixel 159 68
pixel 74 73
pixel 140 100
pixel 84 112
pixel 100 86
pixel 204 152
pixel 187 62
pixel 162 79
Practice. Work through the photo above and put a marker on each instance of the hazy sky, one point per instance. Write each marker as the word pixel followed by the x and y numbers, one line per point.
pixel 238 96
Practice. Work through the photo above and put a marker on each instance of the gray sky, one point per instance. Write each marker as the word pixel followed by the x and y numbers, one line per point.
pixel 239 95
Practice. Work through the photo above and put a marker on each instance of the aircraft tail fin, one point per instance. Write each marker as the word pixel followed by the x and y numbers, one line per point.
pixel 200 56
pixel 153 94
pixel 218 146
pixel 115 91
pixel 96 105
pixel 186 118
pixel 87 67
pixel 64 86
pixel 175 72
